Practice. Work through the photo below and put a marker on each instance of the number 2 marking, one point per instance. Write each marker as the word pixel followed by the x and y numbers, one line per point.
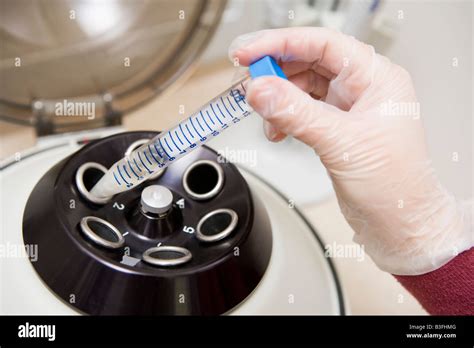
pixel 119 206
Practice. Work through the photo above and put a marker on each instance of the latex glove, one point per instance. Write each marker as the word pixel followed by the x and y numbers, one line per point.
pixel 342 101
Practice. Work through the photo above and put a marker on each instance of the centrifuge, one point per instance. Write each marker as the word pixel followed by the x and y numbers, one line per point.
pixel 200 237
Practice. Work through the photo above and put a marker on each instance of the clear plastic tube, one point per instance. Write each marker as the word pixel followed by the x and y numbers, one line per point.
pixel 225 110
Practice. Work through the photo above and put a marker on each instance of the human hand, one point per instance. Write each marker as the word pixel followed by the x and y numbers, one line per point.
pixel 360 114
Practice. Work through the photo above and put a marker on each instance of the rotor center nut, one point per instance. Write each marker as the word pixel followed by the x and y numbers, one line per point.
pixel 156 199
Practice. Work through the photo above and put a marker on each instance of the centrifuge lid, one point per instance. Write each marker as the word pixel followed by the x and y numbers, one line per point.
pixel 115 54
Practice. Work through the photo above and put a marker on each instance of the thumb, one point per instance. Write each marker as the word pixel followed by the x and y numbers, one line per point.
pixel 292 111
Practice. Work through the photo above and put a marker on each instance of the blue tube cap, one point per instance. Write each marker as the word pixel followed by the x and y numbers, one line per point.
pixel 266 66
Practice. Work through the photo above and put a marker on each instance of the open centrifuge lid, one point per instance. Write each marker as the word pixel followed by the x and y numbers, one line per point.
pixel 114 54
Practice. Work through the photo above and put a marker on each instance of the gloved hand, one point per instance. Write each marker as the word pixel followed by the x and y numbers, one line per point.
pixel 359 112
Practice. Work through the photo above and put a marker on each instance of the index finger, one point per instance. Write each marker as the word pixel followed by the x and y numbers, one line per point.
pixel 322 47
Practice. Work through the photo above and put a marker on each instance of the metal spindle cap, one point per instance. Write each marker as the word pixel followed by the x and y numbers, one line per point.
pixel 156 199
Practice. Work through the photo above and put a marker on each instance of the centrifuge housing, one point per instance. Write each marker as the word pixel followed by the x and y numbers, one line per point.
pixel 99 280
pixel 298 279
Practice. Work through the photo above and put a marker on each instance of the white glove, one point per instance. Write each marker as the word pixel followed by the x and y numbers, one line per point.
pixel 359 112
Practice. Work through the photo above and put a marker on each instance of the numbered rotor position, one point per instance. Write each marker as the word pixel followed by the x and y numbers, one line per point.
pixel 192 240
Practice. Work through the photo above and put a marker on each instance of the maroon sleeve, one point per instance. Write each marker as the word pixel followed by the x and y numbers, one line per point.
pixel 448 290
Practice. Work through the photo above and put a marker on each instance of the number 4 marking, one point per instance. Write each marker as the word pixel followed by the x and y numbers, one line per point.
pixel 180 203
